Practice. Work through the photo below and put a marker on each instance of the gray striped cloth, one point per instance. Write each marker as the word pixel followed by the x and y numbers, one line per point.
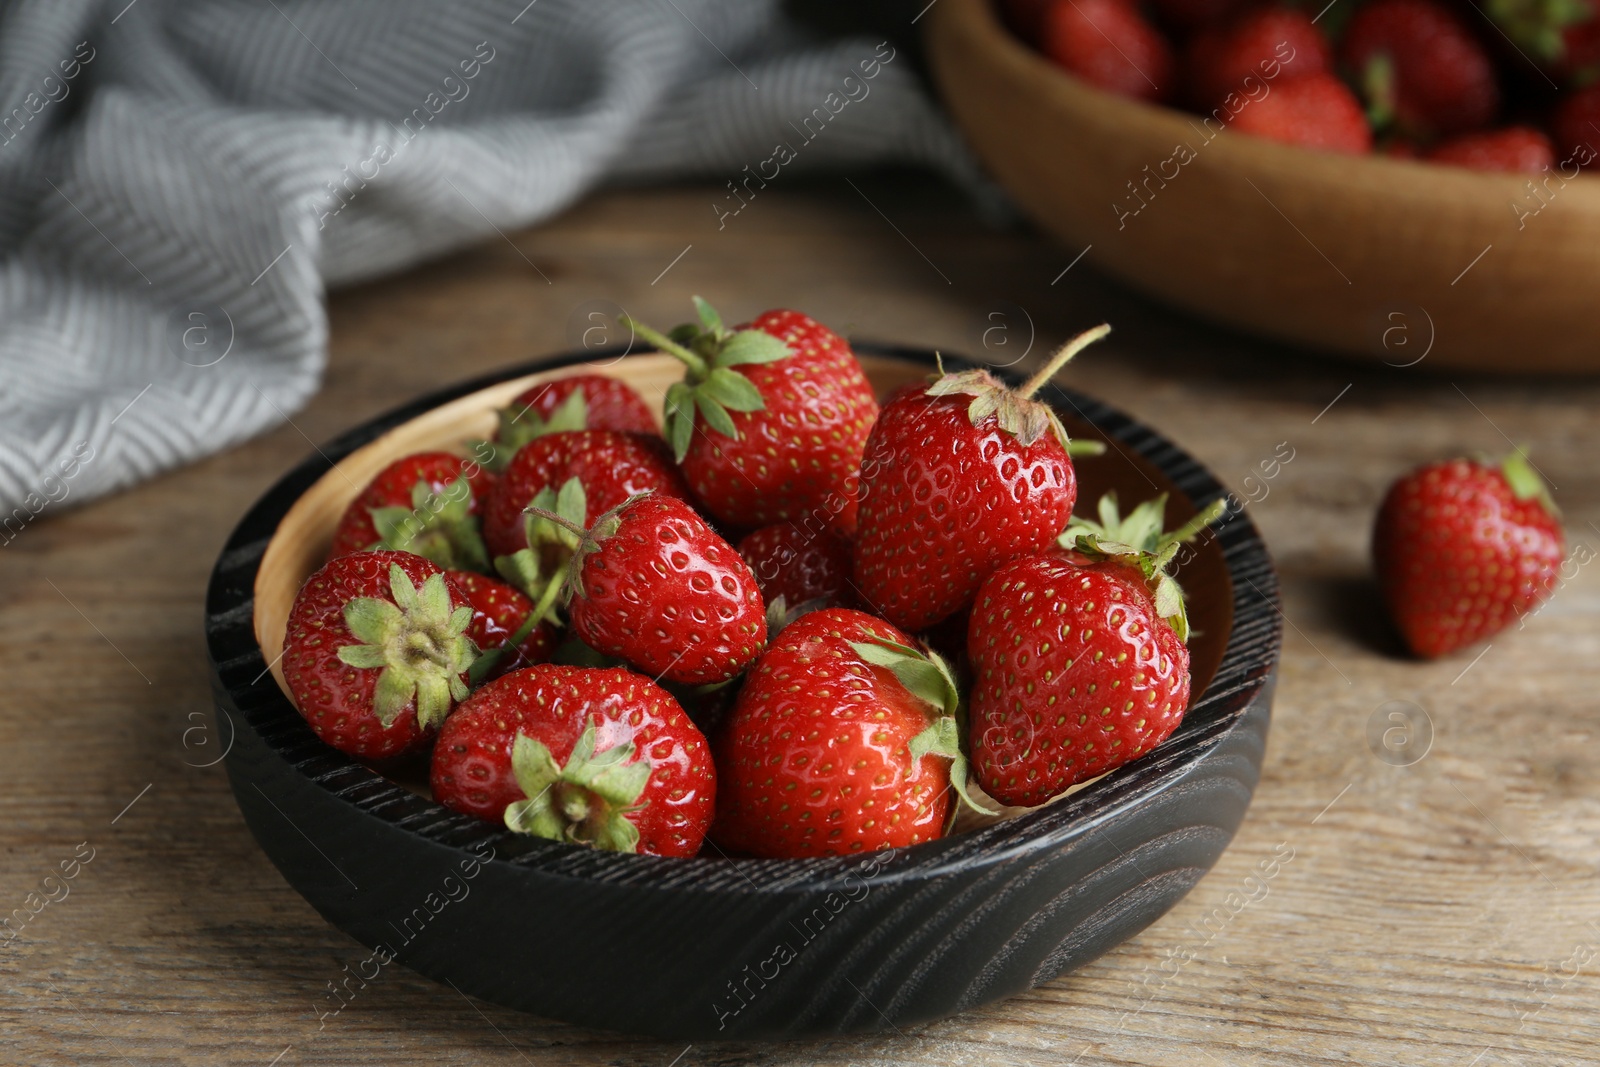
pixel 182 178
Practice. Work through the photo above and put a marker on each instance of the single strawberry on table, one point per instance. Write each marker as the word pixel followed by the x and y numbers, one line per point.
pixel 652 583
pixel 959 476
pixel 844 738
pixel 1420 68
pixel 600 757
pixel 499 613
pixel 427 503
pixel 1079 655
pixel 769 421
pixel 577 402
pixel 1463 548
pixel 797 564
pixel 1110 45
pixel 376 652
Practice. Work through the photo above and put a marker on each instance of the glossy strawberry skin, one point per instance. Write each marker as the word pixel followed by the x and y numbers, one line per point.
pixel 797 564
pixel 1317 111
pixel 1109 44
pixel 798 457
pixel 815 758
pixel 1271 44
pixel 612 467
pixel 1444 79
pixel 472 773
pixel 335 698
pixel 1459 557
pixel 1074 675
pixel 498 611
pixel 944 503
pixel 1513 150
pixel 392 488
pixel 610 404
pixel 666 593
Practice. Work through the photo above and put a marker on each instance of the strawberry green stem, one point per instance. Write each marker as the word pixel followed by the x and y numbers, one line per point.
pixel 1062 357
pixel 697 366
pixel 561 521
pixel 485 664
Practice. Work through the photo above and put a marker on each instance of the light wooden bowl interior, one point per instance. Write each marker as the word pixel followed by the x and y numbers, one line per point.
pixel 1329 251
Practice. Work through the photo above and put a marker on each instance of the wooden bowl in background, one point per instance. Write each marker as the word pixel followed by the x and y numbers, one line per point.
pixel 708 948
pixel 1368 256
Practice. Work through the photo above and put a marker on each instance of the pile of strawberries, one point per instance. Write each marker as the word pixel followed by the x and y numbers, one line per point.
pixel 877 617
pixel 1508 85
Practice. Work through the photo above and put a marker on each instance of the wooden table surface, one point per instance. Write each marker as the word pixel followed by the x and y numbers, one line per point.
pixel 1444 912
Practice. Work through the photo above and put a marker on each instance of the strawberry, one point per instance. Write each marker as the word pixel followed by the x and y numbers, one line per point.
pixel 1561 37
pixel 1109 44
pixel 1515 149
pixel 785 410
pixel 426 503
pixel 1577 125
pixel 1462 548
pixel 579 402
pixel 1272 45
pixel 843 739
pixel 596 757
pixel 376 652
pixel 610 467
pixel 797 565
pixel 1317 111
pixel 1079 656
pixel 959 476
pixel 1420 68
pixel 653 584
pixel 498 614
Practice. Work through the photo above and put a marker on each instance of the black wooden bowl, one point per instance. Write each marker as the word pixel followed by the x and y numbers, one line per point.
pixel 710 948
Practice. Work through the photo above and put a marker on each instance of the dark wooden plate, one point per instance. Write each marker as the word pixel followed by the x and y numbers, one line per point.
pixel 713 948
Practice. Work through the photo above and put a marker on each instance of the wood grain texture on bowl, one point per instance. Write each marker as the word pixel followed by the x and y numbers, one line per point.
pixel 1374 257
pixel 750 948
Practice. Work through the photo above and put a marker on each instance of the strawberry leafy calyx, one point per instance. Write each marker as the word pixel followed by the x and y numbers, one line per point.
pixel 1139 541
pixel 520 424
pixel 712 387
pixel 1525 482
pixel 437 526
pixel 926 676
pixel 418 641
pixel 587 801
pixel 1536 26
pixel 1015 410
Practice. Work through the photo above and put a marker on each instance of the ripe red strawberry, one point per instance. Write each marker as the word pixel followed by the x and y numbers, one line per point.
pixel 426 503
pixel 1079 656
pixel 1515 149
pixel 610 466
pixel 596 757
pixel 498 613
pixel 783 409
pixel 376 652
pixel 1576 123
pixel 959 477
pixel 843 739
pixel 1109 44
pixel 1316 111
pixel 796 564
pixel 1420 67
pixel 655 585
pixel 578 402
pixel 1271 45
pixel 1462 548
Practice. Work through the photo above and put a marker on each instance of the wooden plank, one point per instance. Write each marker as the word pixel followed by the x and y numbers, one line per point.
pixel 1431 914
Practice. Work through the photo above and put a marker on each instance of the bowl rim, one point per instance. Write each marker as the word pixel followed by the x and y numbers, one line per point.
pixel 1246 669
